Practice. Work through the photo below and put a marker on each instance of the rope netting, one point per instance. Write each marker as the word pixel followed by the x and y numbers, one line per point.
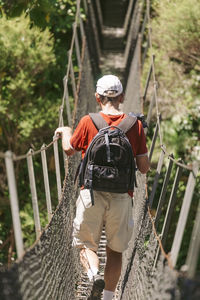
pixel 142 278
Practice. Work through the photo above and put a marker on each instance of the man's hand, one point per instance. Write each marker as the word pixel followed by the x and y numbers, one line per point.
pixel 63 130
pixel 65 133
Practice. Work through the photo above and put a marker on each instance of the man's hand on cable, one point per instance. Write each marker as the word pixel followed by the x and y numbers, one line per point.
pixel 65 133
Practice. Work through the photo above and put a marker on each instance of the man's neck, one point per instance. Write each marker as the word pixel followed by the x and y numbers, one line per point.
pixel 109 109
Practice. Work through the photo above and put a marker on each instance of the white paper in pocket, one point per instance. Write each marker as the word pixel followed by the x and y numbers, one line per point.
pixel 86 198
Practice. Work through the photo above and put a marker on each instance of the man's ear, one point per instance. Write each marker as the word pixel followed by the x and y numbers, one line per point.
pixel 98 99
pixel 121 99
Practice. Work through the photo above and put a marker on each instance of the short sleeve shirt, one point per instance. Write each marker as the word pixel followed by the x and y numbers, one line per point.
pixel 86 131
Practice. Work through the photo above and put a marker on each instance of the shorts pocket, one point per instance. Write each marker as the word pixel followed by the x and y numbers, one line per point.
pixel 86 198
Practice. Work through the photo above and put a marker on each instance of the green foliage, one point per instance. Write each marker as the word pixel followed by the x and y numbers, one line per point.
pixel 182 134
pixel 42 12
pixel 56 15
pixel 25 106
pixel 176 44
pixel 27 223
pixel 176 31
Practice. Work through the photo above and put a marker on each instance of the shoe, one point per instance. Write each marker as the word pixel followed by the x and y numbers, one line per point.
pixel 97 288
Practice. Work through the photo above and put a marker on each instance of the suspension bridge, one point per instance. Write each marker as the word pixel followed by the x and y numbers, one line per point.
pixel 111 40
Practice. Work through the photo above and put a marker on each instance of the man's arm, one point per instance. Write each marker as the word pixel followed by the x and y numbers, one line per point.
pixel 143 163
pixel 66 133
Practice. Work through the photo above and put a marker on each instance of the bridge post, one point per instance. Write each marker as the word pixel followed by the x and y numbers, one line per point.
pixel 33 193
pixel 57 166
pixel 66 97
pixel 194 248
pixel 171 205
pixel 163 192
pixel 155 135
pixel 46 182
pixel 148 79
pixel 14 203
pixel 184 213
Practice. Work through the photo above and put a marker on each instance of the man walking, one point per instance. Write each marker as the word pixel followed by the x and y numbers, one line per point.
pixel 110 209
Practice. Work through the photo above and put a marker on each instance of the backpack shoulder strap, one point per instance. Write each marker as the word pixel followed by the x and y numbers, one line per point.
pixel 127 123
pixel 98 120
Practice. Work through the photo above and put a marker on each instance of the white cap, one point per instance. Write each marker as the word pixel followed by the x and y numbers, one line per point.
pixel 109 86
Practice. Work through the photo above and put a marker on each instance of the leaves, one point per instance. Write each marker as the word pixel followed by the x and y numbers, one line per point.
pixel 23 86
pixel 177 31
pixel 176 43
pixel 34 39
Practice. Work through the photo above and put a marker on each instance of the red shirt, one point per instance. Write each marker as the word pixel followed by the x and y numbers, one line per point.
pixel 86 130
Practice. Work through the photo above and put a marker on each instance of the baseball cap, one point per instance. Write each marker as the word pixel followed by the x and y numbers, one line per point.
pixel 109 86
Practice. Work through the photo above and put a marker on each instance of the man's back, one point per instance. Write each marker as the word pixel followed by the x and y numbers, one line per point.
pixel 109 164
pixel 86 131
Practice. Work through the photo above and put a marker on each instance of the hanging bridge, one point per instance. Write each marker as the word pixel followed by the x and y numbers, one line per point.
pixel 115 38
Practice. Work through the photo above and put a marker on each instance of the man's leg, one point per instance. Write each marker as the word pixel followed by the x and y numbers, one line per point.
pixel 90 261
pixel 112 269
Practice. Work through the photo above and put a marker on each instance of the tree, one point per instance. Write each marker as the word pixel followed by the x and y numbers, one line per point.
pixel 25 62
pixel 176 43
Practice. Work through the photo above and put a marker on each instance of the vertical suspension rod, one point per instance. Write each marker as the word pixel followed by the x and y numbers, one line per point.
pixel 14 203
pixel 33 193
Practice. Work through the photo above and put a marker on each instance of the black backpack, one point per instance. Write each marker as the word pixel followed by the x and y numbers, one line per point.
pixel 109 164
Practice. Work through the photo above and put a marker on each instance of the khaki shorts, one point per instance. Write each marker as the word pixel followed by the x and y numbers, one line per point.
pixel 110 209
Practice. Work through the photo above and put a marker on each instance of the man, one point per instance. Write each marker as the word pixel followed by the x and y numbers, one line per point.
pixel 113 210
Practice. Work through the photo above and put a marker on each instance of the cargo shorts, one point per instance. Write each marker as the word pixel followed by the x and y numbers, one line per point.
pixel 112 210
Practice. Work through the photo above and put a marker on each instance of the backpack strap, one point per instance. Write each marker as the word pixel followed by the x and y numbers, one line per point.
pixel 98 120
pixel 127 123
pixel 124 125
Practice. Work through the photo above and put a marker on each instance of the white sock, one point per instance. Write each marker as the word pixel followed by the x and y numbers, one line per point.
pixel 107 295
pixel 92 272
